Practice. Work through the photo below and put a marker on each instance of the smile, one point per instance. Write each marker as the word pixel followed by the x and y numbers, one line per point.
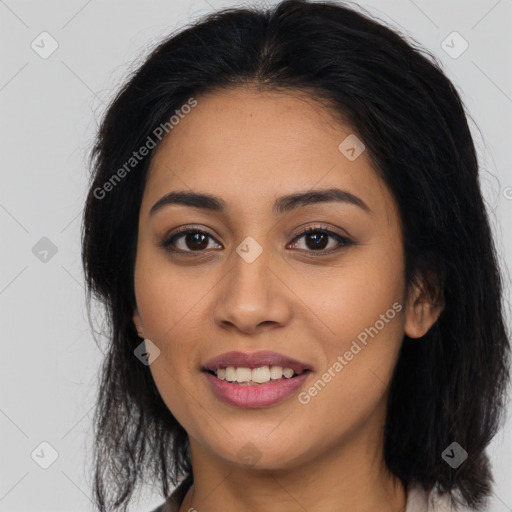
pixel 255 376
pixel 250 394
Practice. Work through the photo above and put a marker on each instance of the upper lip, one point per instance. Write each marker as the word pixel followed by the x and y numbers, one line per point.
pixel 254 360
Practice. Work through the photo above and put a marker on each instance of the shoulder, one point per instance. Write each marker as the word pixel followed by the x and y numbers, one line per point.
pixel 173 502
pixel 170 505
pixel 419 500
pixel 442 503
pixel 167 506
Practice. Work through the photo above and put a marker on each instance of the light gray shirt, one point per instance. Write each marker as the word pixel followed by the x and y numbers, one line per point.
pixel 418 500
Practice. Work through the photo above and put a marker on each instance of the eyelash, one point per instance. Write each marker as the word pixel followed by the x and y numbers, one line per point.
pixel 167 244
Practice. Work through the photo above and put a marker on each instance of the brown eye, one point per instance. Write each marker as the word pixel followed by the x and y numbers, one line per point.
pixel 318 240
pixel 188 240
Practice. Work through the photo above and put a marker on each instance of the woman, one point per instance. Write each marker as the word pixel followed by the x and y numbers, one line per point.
pixel 286 230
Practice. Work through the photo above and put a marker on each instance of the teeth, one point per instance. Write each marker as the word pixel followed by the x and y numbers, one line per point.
pixel 260 375
pixel 256 375
pixel 276 372
pixel 243 374
pixel 288 372
pixel 230 374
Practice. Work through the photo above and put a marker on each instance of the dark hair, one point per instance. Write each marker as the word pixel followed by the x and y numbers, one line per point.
pixel 449 385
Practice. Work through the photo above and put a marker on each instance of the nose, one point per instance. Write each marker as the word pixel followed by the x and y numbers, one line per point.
pixel 253 296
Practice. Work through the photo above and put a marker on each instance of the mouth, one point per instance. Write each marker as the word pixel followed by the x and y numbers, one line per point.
pixel 244 376
pixel 250 394
pixel 254 379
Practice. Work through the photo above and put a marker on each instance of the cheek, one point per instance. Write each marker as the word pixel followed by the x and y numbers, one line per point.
pixel 359 366
pixel 168 299
pixel 362 308
pixel 355 296
pixel 170 307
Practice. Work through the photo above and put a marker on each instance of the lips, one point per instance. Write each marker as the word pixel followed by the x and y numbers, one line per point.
pixel 262 395
pixel 254 360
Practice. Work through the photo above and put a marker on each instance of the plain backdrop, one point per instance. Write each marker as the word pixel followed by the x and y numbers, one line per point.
pixel 50 107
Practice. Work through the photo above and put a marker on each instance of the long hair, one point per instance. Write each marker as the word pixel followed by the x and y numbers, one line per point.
pixel 448 386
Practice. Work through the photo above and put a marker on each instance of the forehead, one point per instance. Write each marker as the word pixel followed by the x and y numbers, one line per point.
pixel 251 146
pixel 241 122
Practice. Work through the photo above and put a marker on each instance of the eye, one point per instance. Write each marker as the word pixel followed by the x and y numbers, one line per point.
pixel 317 239
pixel 188 240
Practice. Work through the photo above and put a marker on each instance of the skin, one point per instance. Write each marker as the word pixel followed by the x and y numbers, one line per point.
pixel 250 147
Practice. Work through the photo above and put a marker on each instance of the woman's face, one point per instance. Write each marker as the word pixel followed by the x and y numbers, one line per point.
pixel 256 283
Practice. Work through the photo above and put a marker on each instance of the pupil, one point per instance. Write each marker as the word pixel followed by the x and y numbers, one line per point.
pixel 317 237
pixel 197 237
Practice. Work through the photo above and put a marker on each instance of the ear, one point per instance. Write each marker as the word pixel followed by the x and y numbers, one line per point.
pixel 424 304
pixel 137 323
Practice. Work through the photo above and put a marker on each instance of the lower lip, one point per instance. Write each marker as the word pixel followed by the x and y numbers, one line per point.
pixel 257 395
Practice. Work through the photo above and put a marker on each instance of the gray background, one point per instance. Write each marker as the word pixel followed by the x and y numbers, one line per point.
pixel 49 112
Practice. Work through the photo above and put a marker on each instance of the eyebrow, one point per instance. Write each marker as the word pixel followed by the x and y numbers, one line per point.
pixel 282 204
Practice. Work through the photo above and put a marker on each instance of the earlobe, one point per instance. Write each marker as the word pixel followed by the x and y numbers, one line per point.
pixel 422 311
pixel 137 323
